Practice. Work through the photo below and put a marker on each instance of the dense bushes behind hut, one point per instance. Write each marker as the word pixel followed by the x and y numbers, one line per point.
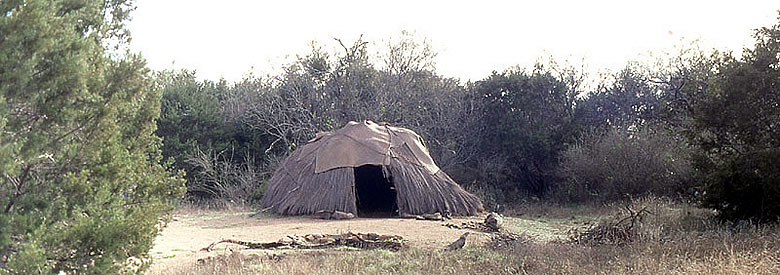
pixel 626 162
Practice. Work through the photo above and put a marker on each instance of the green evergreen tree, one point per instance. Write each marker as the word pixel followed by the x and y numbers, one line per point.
pixel 82 186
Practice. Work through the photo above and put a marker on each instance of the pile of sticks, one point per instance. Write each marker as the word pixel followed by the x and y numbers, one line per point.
pixel 507 240
pixel 319 241
pixel 619 231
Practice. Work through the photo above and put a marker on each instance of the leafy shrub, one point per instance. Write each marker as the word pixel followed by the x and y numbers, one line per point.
pixel 625 162
pixel 525 125
pixel 747 187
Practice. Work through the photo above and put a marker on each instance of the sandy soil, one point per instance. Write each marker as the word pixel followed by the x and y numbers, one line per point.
pixel 182 241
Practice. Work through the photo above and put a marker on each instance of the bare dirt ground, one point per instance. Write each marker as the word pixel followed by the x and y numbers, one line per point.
pixel 182 241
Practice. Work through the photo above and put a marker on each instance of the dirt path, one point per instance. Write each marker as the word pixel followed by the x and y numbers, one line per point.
pixel 182 240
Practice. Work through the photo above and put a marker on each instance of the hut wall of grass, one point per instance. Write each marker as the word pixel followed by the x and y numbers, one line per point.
pixel 297 188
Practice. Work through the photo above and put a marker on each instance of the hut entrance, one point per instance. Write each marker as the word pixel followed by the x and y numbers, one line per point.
pixel 374 192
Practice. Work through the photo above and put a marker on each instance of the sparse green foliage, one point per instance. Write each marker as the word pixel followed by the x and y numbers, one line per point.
pixel 83 187
pixel 629 100
pixel 626 162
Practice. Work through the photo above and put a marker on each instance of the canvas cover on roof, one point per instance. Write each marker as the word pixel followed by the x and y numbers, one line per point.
pixel 364 143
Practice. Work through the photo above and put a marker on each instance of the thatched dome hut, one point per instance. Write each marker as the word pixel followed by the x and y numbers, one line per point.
pixel 365 169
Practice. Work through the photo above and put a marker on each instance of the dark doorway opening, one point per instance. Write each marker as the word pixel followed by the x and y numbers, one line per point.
pixel 374 191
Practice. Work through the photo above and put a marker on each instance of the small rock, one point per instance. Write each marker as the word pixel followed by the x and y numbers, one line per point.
pixel 494 221
pixel 323 214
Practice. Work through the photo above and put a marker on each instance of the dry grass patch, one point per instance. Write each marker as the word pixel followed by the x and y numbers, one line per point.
pixel 727 253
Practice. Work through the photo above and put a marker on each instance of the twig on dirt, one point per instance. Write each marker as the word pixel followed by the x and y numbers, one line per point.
pixel 492 224
pixel 477 226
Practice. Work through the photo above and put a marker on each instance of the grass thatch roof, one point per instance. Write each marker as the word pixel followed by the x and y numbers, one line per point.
pixel 320 175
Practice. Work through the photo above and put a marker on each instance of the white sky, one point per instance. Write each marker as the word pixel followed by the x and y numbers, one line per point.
pixel 230 38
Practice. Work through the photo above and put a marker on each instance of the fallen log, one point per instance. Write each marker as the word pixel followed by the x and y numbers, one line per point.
pixel 250 245
pixel 318 241
pixel 333 215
